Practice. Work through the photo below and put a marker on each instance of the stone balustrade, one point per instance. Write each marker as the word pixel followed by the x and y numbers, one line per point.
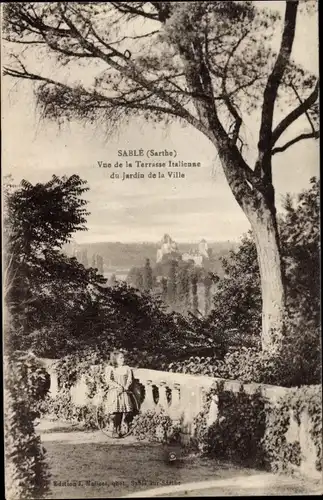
pixel 182 397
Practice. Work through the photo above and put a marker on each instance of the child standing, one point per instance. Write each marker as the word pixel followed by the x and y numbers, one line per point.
pixel 119 402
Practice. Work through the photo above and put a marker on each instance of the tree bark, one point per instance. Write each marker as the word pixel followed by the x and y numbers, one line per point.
pixel 256 198
pixel 264 227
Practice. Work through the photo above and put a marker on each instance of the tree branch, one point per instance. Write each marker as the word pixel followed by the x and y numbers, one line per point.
pixel 296 113
pixel 232 109
pixel 25 42
pixel 301 137
pixel 38 24
pixel 138 37
pixel 163 9
pixel 129 70
pixel 274 79
pixel 105 101
pixel 306 112
pixel 127 8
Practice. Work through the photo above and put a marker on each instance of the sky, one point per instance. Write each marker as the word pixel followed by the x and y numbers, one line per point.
pixel 199 206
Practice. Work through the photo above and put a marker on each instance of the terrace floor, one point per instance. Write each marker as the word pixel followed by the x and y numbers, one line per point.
pixel 91 465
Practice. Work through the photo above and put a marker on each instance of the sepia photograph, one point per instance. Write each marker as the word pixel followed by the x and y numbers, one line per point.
pixel 161 249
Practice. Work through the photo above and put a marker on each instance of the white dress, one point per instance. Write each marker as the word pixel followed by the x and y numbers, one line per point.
pixel 119 399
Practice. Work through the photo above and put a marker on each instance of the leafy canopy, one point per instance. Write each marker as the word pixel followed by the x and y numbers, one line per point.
pixel 186 61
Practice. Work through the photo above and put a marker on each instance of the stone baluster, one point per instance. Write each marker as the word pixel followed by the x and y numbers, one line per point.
pixel 162 401
pixel 98 397
pixel 148 403
pixel 204 393
pixel 175 409
pixel 188 404
pixel 195 406
pixel 53 389
pixel 79 392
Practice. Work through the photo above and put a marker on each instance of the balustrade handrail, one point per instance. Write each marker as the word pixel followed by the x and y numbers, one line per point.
pixel 188 380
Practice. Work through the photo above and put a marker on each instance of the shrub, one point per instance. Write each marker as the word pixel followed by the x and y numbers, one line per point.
pixel 237 433
pixel 26 470
pixel 298 363
pixel 62 408
pixel 156 426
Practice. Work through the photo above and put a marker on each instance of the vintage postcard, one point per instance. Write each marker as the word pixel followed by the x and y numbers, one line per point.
pixel 161 249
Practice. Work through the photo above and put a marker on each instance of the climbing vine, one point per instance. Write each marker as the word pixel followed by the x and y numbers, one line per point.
pixel 282 454
pixel 250 429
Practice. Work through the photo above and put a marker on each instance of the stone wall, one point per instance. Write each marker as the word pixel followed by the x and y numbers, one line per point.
pixel 182 397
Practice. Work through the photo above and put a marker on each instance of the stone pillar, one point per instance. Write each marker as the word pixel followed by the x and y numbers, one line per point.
pixel 148 403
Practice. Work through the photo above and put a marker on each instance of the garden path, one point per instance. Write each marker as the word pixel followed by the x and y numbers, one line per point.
pixel 91 465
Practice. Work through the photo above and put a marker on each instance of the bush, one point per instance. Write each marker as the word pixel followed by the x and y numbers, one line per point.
pixel 26 470
pixel 62 408
pixel 156 426
pixel 238 431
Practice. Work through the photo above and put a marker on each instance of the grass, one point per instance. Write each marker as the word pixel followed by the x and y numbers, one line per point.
pixel 106 470
pixel 88 465
pixel 102 470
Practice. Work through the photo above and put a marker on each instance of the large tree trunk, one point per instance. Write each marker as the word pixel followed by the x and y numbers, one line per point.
pixel 257 201
pixel 264 227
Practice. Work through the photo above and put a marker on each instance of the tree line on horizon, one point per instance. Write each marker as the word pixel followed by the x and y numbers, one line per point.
pixel 180 285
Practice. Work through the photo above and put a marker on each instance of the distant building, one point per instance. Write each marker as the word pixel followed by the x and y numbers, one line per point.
pixel 195 256
pixel 169 246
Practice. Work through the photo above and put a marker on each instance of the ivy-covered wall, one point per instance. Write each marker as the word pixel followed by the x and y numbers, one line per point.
pixel 280 434
pixel 266 426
